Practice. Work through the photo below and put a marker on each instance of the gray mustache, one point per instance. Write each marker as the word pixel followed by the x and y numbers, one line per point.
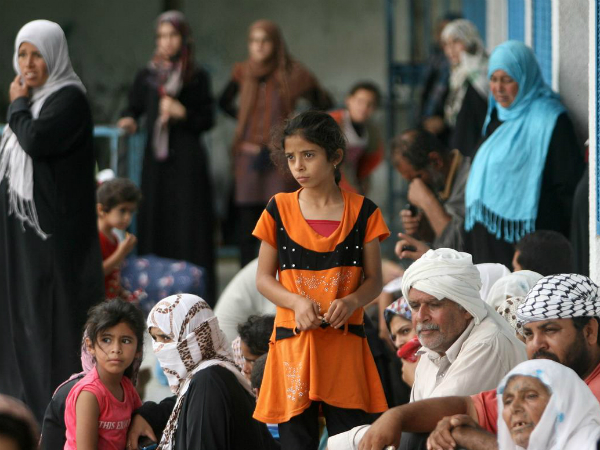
pixel 426 327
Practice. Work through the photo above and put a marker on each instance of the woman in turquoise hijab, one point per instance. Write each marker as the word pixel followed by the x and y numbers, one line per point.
pixel 525 172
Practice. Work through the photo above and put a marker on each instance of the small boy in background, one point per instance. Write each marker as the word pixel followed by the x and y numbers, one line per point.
pixel 117 201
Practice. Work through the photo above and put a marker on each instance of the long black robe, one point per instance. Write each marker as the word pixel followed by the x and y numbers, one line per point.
pixel 562 171
pixel 216 414
pixel 47 286
pixel 466 135
pixel 175 218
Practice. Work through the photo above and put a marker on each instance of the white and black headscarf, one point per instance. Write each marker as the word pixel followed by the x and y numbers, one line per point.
pixel 561 296
pixel 15 164
pixel 198 343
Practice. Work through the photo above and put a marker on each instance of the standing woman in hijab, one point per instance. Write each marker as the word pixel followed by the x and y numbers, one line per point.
pixel 176 215
pixel 269 83
pixel 525 172
pixel 51 270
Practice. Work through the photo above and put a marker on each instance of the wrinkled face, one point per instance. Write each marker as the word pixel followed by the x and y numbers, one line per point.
pixel 525 399
pixel 260 46
pixel 32 65
pixel 503 88
pixel 453 48
pixel 249 359
pixel 115 348
pixel 433 178
pixel 560 341
pixel 402 331
pixel 168 40
pixel 438 323
pixel 308 162
pixel 120 216
pixel 361 105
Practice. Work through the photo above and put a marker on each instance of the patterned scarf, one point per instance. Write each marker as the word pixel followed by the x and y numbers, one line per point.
pixel 561 296
pixel 397 308
pixel 16 165
pixel 198 343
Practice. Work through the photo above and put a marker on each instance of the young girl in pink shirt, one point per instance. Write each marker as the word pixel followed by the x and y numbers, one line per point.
pixel 99 407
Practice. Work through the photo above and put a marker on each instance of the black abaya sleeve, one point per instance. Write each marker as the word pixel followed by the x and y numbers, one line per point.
pixel 227 99
pixel 562 171
pixel 137 96
pixel 157 414
pixel 197 98
pixel 466 134
pixel 62 123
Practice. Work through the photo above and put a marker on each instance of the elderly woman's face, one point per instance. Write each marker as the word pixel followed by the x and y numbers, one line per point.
pixel 525 399
pixel 260 46
pixel 32 65
pixel 168 40
pixel 504 88
pixel 453 48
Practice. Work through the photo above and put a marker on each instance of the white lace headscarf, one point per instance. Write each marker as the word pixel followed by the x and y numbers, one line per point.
pixel 571 419
pixel 15 164
pixel 198 343
pixel 516 284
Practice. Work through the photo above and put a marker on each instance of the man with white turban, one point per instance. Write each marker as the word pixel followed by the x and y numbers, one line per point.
pixel 467 346
pixel 560 317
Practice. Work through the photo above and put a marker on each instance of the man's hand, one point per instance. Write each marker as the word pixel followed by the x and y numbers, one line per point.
pixel 307 314
pixel 139 427
pixel 409 247
pixel 18 88
pixel 384 431
pixel 410 223
pixel 442 437
pixel 419 193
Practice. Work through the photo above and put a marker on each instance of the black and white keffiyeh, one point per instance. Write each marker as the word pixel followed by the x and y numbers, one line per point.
pixel 561 296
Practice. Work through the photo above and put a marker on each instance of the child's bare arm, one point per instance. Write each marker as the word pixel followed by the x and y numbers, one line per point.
pixel 306 311
pixel 88 412
pixel 124 248
pixel 341 309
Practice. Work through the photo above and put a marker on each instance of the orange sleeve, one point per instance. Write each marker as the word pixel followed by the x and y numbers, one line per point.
pixel 487 410
pixel 376 227
pixel 266 229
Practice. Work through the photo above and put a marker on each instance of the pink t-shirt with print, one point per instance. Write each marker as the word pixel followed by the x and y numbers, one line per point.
pixel 115 416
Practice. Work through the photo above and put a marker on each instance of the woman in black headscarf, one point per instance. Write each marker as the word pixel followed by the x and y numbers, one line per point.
pixel 176 216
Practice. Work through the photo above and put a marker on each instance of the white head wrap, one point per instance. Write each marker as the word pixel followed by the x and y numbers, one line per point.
pixel 15 164
pixel 561 296
pixel 490 273
pixel 446 273
pixel 198 343
pixel 516 284
pixel 571 419
pixel 508 311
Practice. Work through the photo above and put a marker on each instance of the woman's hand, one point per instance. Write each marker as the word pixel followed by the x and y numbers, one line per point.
pixel 340 311
pixel 307 314
pixel 128 124
pixel 18 89
pixel 139 427
pixel 171 108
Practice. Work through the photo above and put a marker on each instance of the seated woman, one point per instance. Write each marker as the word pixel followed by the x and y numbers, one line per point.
pixel 214 403
pixel 525 172
pixel 545 405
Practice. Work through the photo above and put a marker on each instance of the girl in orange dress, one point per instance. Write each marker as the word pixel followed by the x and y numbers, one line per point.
pixel 323 243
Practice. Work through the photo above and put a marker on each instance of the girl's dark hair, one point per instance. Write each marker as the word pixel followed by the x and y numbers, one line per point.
pixel 17 430
pixel 318 128
pixel 110 313
pixel 113 192
pixel 256 332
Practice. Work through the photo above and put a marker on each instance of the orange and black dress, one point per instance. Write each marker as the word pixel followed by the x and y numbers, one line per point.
pixel 334 366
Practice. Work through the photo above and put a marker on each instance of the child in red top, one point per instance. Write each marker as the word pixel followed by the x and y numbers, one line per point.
pixel 117 201
pixel 99 407
pixel 324 244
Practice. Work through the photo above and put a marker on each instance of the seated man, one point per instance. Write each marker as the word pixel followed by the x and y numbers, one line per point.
pixel 467 346
pixel 561 317
pixel 437 178
pixel 364 151
pixel 546 252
